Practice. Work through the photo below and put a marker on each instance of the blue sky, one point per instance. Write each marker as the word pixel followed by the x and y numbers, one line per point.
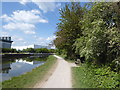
pixel 30 23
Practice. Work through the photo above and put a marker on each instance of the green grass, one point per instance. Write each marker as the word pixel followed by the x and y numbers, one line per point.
pixel 103 77
pixel 30 78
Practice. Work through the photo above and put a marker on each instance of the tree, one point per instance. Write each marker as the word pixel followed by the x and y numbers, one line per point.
pixel 69 28
pixel 101 34
pixel 31 50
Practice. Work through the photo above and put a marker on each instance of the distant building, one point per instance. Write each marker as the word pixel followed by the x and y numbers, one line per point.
pixel 40 46
pixel 5 42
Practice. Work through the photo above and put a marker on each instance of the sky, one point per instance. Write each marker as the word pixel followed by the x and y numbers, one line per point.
pixel 29 23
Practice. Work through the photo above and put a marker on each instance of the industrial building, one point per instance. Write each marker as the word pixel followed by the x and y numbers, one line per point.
pixel 5 42
pixel 40 46
pixel 50 46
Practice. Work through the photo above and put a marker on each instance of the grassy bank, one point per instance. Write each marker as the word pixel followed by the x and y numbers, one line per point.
pixel 84 77
pixel 30 78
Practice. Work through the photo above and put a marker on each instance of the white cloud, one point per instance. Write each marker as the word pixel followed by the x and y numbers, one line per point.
pixel 22 47
pixel 51 38
pixel 40 40
pixel 6 18
pixel 43 41
pixel 43 5
pixel 24 27
pixel 24 1
pixel 3 33
pixel 23 20
pixel 33 16
pixel 17 38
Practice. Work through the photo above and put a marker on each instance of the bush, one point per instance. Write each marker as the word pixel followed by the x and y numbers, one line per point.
pixel 9 50
pixel 95 77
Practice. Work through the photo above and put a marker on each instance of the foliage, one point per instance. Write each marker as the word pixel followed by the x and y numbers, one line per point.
pixel 9 50
pixel 68 28
pixel 92 77
pixel 93 33
pixel 30 50
pixel 100 43
pixel 39 50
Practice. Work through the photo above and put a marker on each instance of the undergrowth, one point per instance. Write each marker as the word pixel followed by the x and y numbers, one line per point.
pixel 92 77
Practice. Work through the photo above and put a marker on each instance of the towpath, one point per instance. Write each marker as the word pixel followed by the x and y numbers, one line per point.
pixel 61 77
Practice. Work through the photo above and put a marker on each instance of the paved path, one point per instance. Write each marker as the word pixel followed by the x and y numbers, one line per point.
pixel 61 77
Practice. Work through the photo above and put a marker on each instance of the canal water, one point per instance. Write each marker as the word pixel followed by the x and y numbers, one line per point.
pixel 18 66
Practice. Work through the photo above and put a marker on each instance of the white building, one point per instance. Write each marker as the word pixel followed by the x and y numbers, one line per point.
pixel 40 46
pixel 5 42
pixel 34 46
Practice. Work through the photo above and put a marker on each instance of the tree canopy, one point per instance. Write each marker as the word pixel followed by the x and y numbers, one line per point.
pixel 92 33
pixel 69 28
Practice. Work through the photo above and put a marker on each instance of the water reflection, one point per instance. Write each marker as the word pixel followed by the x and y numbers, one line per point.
pixel 15 67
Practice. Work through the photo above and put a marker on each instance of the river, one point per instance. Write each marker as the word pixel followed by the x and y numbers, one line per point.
pixel 18 66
